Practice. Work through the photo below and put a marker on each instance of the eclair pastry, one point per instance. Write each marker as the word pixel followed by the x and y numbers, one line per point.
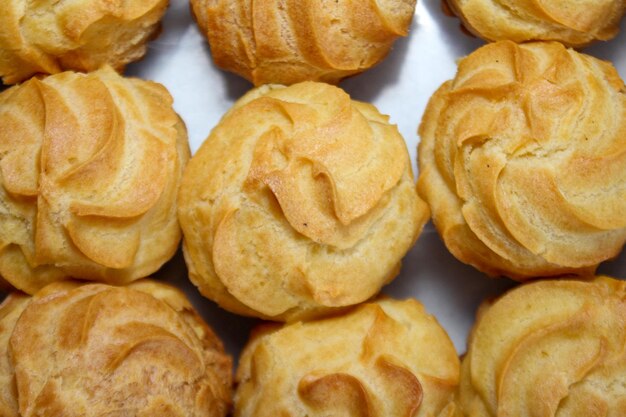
pixel 93 350
pixel 574 23
pixel 550 348
pixel 522 160
pixel 286 42
pixel 90 165
pixel 299 202
pixel 383 359
pixel 53 36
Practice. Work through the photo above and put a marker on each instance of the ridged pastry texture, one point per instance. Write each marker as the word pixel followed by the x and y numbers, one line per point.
pixel 388 359
pixel 10 310
pixel 299 201
pixel 523 160
pixel 89 170
pixel 50 36
pixel 289 41
pixel 574 23
pixel 95 350
pixel 552 348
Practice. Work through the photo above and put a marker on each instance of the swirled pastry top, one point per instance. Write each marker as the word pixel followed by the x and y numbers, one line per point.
pixel 523 160
pixel 96 350
pixel 574 23
pixel 285 42
pixel 50 36
pixel 387 359
pixel 553 348
pixel 90 166
pixel 299 201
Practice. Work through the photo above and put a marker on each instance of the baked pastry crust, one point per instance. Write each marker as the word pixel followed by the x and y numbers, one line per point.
pixel 299 201
pixel 93 350
pixel 90 166
pixel 573 23
pixel 83 35
pixel 552 348
pixel 285 42
pixel 523 161
pixel 388 358
pixel 10 310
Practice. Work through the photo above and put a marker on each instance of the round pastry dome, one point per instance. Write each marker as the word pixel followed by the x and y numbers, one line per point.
pixel 306 40
pixel 83 35
pixel 299 202
pixel 574 23
pixel 522 160
pixel 555 347
pixel 93 350
pixel 90 167
pixel 382 359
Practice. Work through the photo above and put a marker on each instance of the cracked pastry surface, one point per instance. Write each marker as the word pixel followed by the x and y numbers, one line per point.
pixel 574 23
pixel 300 200
pixel 288 41
pixel 389 358
pixel 49 36
pixel 523 161
pixel 93 350
pixel 89 170
pixel 551 348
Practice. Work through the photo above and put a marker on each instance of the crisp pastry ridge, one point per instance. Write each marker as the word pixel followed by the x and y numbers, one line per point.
pixel 52 36
pixel 523 163
pixel 90 165
pixel 387 358
pixel 300 201
pixel 573 23
pixel 550 348
pixel 92 350
pixel 289 41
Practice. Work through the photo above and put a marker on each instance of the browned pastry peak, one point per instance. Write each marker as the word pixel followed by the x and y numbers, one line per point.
pixel 300 201
pixel 93 350
pixel 90 165
pixel 551 348
pixel 388 358
pixel 574 23
pixel 523 163
pixel 288 41
pixel 50 36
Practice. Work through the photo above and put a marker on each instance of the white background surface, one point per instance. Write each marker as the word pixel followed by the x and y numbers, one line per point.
pixel 400 86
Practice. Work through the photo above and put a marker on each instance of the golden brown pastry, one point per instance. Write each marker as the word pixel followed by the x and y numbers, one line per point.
pixel 50 36
pixel 389 359
pixel 285 42
pixel 96 350
pixel 300 201
pixel 10 310
pixel 90 166
pixel 523 160
pixel 575 23
pixel 552 348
